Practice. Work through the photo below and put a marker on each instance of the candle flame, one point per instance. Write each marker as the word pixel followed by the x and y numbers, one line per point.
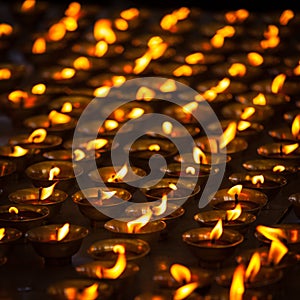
pixel 233 214
pixel 57 32
pixel 217 231
pixel 70 23
pixel 253 267
pixel 255 59
pixel 168 86
pixel 119 175
pixel 103 31
pixel 162 207
pixel 237 287
pixel 142 62
pixel 296 126
pixel 258 179
pixel 58 118
pixel 273 234
pixel 277 83
pixel 5 74
pixel 88 293
pixel 228 135
pixel 82 63
pixel 190 170
pixel 17 96
pixel 154 147
pixel 37 136
pixel 169 21
pixel 65 73
pixel 63 231
pixel 221 86
pixel 287 149
pixel 101 91
pixel 110 125
pixel 237 70
pixel 67 107
pixel 184 291
pixel 247 113
pixel 18 151
pixel 2 233
pixel 276 252
pixel 235 190
pixel 144 93
pixel 39 46
pixel 38 89
pixel 260 99
pixel 199 156
pixel 100 48
pixel 121 24
pixel 28 5
pixel 278 168
pixel 135 225
pixel 73 9
pixel 217 40
pixel 184 70
pixel 286 16
pixel 5 29
pixel 239 15
pixel 167 127
pixel 46 192
pixel 130 13
pixel 13 210
pixel 96 144
pixel 53 172
pixel 105 195
pixel 173 186
pixel 181 273
pixel 296 70
pixel 190 107
pixel 194 58
pixel 135 113
pixel 78 155
pixel 243 125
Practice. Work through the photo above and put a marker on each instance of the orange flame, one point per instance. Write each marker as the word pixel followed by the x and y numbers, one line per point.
pixel 13 210
pixel 184 70
pixel 243 125
pixel 18 151
pixel 103 31
pixel 38 89
pixel 190 107
pixel 273 234
pixel 221 86
pixel 168 21
pixel 162 207
pixel 217 41
pixel 107 195
pixel 199 156
pixel 278 168
pixel 156 47
pixel 88 293
pixel 130 13
pixel 63 231
pixel 184 291
pixel 260 99
pixel 70 23
pixel 5 74
pixel 233 214
pixel 57 32
pixel 28 5
pixel 296 70
pixel 135 225
pixel 144 93
pixel 142 62
pixel 37 136
pixel 253 267
pixel 235 190
pixel 67 107
pixel 277 83
pixel 96 144
pixel 65 73
pixel 101 48
pixel 101 91
pixel 168 86
pixel 237 288
pixel 121 24
pixel 208 95
pixel 58 118
pixel 173 186
pixel 82 63
pixel 167 127
pixel 46 192
pixel 110 125
pixel 286 16
pixel 296 126
pixel 255 59
pixel 73 9
pixel 228 135
pixel 154 147
pixel 181 273
pixel 276 252
pixel 287 149
pixel 237 69
pixel 217 231
pixel 247 113
pixel 78 154
pixel 119 175
pixel 194 58
pixel 258 179
pixel 119 267
pixel 5 29
pixel 17 96
pixel 2 233
pixel 190 170
pixel 135 113
pixel 53 172
pixel 239 15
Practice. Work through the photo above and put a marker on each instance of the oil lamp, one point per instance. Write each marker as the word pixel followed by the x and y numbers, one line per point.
pixel 80 288
pixel 23 217
pixel 57 243
pixel 235 219
pixel 97 203
pixel 294 200
pixel 135 249
pixel 212 245
pixel 38 139
pixel 8 238
pixel 268 183
pixel 49 197
pixel 251 200
pixel 280 150
pixel 46 173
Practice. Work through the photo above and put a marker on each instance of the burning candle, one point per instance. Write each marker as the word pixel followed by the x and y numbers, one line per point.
pixel 280 150
pixel 57 243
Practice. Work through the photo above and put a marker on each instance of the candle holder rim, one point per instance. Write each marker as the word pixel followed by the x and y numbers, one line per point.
pixel 227 160
pixel 50 155
pixel 53 140
pixel 14 233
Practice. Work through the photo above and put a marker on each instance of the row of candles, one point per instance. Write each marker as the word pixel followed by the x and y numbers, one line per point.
pixel 49 109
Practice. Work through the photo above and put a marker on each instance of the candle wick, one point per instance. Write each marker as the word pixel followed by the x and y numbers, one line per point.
pixel 99 197
pixel 213 241
pixel 280 150
pixel 40 193
pixel 236 199
pixel 2 170
pixel 218 146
